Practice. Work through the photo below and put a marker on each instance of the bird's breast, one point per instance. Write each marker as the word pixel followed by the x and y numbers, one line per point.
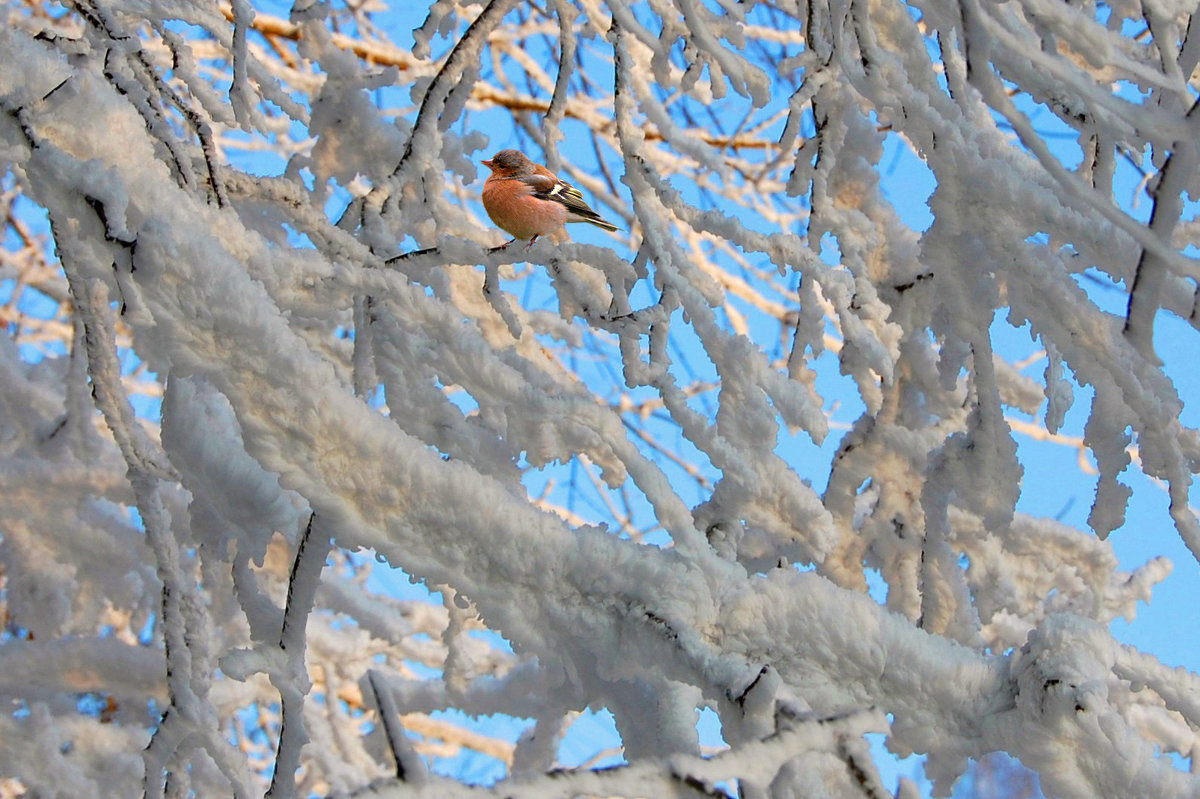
pixel 513 208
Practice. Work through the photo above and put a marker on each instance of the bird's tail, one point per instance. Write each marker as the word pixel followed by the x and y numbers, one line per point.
pixel 597 220
pixel 577 208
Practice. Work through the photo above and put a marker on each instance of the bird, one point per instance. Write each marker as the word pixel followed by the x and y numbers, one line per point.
pixel 528 201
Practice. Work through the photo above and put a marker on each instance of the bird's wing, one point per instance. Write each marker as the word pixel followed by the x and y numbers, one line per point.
pixel 559 191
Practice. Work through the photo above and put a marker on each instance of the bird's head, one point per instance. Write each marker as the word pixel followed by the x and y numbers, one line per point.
pixel 507 161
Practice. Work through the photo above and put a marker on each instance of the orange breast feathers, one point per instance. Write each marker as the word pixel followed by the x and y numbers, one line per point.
pixel 513 208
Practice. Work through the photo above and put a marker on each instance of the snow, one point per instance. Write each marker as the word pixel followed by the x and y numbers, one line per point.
pixel 309 409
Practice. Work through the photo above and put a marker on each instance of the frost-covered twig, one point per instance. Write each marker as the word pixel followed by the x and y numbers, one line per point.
pixel 183 620
pixel 1144 293
pixel 677 776
pixel 436 111
pixel 291 679
pixel 410 769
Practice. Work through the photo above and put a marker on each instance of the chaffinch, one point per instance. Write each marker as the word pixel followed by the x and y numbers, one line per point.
pixel 527 200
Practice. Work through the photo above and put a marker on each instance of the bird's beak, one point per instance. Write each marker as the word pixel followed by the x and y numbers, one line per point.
pixel 488 164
